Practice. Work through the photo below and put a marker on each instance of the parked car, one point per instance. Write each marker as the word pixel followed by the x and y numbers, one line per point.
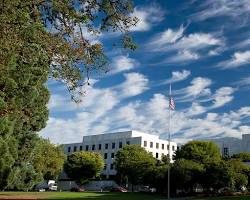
pixel 147 189
pixel 118 189
pixel 77 189
pixel 52 185
pixel 49 185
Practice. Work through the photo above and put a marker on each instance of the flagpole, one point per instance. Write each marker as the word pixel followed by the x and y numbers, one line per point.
pixel 169 139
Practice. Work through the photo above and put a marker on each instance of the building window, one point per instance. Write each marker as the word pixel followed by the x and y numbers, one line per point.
pixel 81 148
pixel 157 145
pixel 173 148
pixel 168 147
pixel 87 147
pixel 105 155
pixel 145 143
pixel 113 145
pixel 112 155
pixel 75 148
pixel 69 149
pixel 106 146
pixel 120 144
pixel 156 155
pixel 151 144
pixel 225 152
pixel 105 166
pixel 93 147
pixel 111 166
pixel 100 146
pixel 128 142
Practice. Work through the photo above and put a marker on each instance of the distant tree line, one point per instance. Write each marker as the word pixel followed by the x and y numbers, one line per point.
pixel 198 166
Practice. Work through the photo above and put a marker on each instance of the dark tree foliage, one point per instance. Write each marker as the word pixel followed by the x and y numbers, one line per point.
pixel 245 157
pixel 199 151
pixel 134 162
pixel 82 166
pixel 41 39
pixel 186 174
pixel 157 175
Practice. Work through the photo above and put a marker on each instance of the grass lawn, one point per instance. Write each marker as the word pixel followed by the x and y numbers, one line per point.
pixel 98 196
pixel 79 196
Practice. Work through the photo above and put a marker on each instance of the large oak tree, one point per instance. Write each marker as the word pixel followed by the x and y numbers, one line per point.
pixel 40 39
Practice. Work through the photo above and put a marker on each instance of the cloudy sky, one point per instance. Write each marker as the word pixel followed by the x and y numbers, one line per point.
pixel 202 47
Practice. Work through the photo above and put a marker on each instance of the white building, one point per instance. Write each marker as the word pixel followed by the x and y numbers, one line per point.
pixel 230 146
pixel 108 144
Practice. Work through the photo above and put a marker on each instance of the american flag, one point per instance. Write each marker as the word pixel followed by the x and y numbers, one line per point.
pixel 171 103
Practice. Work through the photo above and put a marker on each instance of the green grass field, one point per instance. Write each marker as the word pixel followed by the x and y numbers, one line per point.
pixel 98 196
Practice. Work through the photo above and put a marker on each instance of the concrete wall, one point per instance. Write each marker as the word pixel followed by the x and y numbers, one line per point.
pixel 111 143
pixel 234 145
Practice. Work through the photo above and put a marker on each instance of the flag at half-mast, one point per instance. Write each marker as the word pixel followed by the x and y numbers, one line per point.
pixel 171 100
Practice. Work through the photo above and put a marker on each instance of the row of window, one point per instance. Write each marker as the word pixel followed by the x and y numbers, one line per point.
pixel 106 155
pixel 151 145
pixel 98 147
pixel 112 166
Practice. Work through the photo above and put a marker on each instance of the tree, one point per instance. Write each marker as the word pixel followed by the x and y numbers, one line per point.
pixel 8 152
pixel 42 39
pixel 23 178
pixel 225 174
pixel 240 173
pixel 186 174
pixel 218 175
pixel 134 162
pixel 244 156
pixel 48 159
pixel 199 151
pixel 157 174
pixel 82 166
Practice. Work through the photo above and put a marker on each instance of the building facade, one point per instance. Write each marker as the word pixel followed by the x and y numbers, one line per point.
pixel 108 144
pixel 230 146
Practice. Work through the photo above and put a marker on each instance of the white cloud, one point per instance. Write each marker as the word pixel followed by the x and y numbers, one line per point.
pixel 188 47
pixel 134 84
pixel 175 40
pixel 168 36
pixel 198 41
pixel 245 129
pixel 180 75
pixel 122 63
pixel 243 82
pixel 238 59
pixel 198 88
pixel 109 110
pixel 196 109
pixel 92 37
pixel 212 116
pixel 235 9
pixel 199 92
pixel 222 96
pixel 148 16
pixel 182 56
pixel 177 76
pixel 57 103
pixel 217 51
pixel 243 44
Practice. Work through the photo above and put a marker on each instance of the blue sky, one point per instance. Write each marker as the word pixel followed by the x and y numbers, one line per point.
pixel 202 47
